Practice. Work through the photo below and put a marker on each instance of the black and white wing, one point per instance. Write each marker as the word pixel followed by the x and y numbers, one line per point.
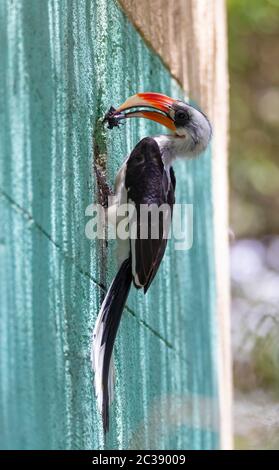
pixel 148 182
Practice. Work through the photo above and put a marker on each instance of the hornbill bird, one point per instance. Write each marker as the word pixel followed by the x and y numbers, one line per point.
pixel 146 177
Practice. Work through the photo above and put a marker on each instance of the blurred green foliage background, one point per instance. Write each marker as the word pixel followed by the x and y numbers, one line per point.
pixel 254 213
pixel 254 96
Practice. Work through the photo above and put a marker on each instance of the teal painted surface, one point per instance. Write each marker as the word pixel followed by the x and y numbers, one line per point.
pixel 63 63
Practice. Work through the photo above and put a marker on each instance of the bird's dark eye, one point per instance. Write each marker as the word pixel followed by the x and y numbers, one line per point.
pixel 181 117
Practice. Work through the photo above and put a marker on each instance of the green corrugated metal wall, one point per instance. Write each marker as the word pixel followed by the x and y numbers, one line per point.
pixel 63 63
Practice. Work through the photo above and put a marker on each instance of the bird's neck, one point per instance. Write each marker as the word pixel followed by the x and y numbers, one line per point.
pixel 172 146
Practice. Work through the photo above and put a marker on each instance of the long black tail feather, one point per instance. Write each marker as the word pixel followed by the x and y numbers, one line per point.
pixel 104 336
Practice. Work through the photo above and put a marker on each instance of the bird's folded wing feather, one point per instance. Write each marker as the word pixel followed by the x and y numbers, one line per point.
pixel 149 183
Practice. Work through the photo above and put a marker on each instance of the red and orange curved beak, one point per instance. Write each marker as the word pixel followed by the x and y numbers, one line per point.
pixel 159 104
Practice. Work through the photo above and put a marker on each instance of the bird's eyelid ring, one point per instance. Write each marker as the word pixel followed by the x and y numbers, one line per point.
pixel 159 102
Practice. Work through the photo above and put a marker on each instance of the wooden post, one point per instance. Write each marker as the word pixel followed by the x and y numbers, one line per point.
pixel 191 38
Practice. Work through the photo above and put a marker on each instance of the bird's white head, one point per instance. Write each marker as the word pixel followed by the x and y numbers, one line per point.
pixel 191 129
